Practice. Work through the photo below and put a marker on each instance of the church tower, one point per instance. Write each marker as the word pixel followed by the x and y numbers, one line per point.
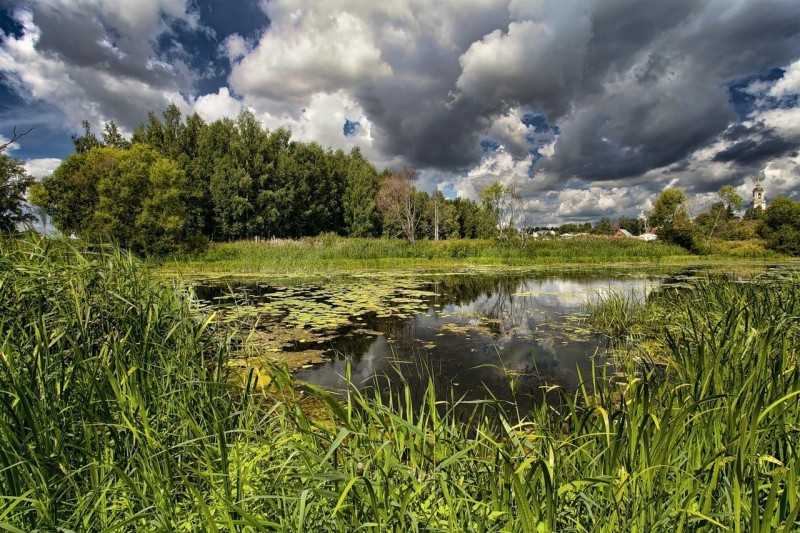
pixel 758 196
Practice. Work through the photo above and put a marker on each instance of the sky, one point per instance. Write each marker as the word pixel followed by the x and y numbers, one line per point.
pixel 588 108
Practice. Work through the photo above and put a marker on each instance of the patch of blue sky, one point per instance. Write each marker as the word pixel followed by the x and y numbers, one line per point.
pixel 745 102
pixel 489 145
pixel 449 191
pixel 535 121
pixel 48 137
pixel 350 127
pixel 8 25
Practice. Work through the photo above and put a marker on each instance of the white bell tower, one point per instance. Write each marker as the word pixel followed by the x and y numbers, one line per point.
pixel 758 196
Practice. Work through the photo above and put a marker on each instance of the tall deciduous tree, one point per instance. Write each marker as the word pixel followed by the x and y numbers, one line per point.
pixel 112 136
pixel 163 218
pixel 504 204
pixel 361 216
pixel 442 217
pixel 671 214
pixel 397 201
pixel 670 208
pixel 134 197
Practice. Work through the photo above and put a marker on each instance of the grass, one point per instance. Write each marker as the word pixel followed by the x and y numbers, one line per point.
pixel 116 414
pixel 614 312
pixel 329 253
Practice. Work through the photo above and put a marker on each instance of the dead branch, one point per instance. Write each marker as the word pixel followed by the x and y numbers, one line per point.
pixel 14 137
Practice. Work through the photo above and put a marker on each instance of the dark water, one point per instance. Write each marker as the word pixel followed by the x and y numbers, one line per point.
pixel 474 336
pixel 507 343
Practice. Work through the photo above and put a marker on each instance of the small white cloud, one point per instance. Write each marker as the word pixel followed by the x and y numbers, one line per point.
pixel 235 47
pixel 789 84
pixel 785 121
pixel 39 168
pixel 215 106
pixel 509 130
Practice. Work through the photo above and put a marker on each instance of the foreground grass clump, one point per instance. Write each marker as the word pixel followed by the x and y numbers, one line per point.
pixel 331 253
pixel 116 414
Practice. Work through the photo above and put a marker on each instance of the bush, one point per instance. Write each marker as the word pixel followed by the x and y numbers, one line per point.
pixel 780 226
pixel 686 236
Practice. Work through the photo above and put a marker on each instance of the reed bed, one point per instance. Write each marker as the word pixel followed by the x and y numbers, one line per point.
pixel 117 414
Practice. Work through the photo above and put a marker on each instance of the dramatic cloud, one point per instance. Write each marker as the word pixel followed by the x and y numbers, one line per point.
pixel 96 61
pixel 588 108
pixel 306 52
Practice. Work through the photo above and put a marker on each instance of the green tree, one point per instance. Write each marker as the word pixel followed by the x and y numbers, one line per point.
pixel 14 182
pixel 275 194
pixel 441 217
pixel 361 215
pixel 780 226
pixel 753 213
pixel 604 227
pixel 87 141
pixel 39 198
pixel 112 136
pixel 162 221
pixel 670 208
pixel 671 214
pixel 504 204
pixel 122 181
pixel 722 213
pixel 134 197
pixel 71 195
pixel 474 221
pixel 733 200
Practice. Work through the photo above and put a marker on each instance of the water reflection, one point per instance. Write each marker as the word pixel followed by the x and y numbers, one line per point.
pixel 478 334
pixel 471 335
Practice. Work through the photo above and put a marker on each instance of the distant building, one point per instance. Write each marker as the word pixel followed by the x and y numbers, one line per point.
pixel 758 196
pixel 625 234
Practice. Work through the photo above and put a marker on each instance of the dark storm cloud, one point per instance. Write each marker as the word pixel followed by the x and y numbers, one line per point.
pixel 639 129
pixel 414 111
pixel 652 78
pixel 100 63
pixel 754 145
pixel 434 135
pixel 81 47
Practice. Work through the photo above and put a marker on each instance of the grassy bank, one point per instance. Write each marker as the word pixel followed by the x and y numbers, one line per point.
pixel 335 254
pixel 116 414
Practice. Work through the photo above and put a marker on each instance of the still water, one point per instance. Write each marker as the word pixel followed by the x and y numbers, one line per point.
pixel 471 335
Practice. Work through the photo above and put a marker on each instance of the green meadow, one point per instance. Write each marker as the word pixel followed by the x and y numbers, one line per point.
pixel 118 413
pixel 329 254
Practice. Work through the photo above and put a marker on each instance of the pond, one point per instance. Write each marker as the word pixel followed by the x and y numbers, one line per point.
pixel 475 336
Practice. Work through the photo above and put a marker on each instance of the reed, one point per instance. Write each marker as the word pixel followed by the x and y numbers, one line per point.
pixel 117 414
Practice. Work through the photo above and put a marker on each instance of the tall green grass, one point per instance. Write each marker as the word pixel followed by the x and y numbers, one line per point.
pixel 116 414
pixel 330 253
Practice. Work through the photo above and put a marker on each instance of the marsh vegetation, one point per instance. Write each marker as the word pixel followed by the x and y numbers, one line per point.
pixel 118 412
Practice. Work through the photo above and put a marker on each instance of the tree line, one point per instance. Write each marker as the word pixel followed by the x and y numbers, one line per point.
pixel 778 224
pixel 180 182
